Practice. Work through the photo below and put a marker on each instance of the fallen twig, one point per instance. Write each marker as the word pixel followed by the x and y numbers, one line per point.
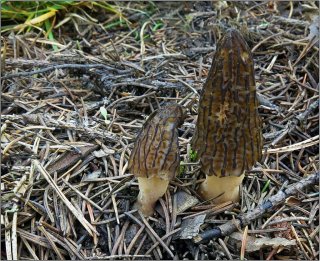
pixel 245 219
pixel 65 66
pixel 292 124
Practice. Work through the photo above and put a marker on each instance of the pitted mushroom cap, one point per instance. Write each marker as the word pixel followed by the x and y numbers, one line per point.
pixel 156 150
pixel 228 135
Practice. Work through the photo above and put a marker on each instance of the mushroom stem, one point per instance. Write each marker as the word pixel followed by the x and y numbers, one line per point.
pixel 214 186
pixel 151 189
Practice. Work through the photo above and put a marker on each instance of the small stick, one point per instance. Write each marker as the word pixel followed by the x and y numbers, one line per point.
pixel 81 195
pixel 245 219
pixel 63 66
pixel 156 236
pixel 163 238
pixel 225 248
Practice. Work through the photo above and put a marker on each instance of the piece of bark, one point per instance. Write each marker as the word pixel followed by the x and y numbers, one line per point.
pixel 69 158
pixel 185 201
pixel 255 244
pixel 190 226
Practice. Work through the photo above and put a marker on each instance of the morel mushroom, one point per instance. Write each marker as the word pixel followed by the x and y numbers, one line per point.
pixel 155 158
pixel 228 135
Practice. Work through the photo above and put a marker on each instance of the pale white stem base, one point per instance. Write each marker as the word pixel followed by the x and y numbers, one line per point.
pixel 151 189
pixel 214 186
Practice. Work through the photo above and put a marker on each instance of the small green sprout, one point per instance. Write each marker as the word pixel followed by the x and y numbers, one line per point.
pixel 265 187
pixel 193 155
pixel 119 23
pixel 157 26
pixel 49 33
pixel 104 113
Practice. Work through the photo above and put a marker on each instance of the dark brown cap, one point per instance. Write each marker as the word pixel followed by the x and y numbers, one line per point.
pixel 156 150
pixel 228 133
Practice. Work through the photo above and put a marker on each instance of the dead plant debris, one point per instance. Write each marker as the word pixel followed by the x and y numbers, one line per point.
pixel 70 115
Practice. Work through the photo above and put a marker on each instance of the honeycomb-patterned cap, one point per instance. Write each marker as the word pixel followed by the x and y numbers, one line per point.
pixel 228 135
pixel 156 150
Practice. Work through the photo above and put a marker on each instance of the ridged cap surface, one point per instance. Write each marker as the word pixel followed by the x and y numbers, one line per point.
pixel 228 135
pixel 156 150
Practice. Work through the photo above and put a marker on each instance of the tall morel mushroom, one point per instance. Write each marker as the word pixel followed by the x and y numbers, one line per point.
pixel 155 158
pixel 228 135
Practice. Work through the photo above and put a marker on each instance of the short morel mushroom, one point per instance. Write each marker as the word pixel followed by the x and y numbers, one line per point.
pixel 155 158
pixel 228 135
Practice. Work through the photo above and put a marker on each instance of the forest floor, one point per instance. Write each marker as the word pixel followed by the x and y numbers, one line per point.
pixel 71 109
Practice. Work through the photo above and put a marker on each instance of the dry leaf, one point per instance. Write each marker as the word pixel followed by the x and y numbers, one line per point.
pixel 103 152
pixel 293 201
